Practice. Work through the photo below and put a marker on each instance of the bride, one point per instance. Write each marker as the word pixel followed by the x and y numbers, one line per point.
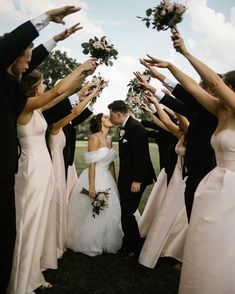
pixel 87 234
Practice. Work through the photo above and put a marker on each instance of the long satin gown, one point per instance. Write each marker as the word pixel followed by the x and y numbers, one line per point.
pixel 57 143
pixel 86 234
pixel 167 231
pixel 35 248
pixel 209 254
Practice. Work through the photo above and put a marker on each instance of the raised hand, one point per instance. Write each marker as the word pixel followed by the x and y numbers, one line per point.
pixel 157 62
pixel 150 98
pixel 57 15
pixel 89 66
pixel 178 41
pixel 153 72
pixel 143 82
pixel 67 32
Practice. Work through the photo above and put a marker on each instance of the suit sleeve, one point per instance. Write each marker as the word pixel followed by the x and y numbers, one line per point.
pixel 13 45
pixel 59 111
pixel 177 106
pixel 138 141
pixel 149 124
pixel 81 117
pixel 180 93
pixel 39 54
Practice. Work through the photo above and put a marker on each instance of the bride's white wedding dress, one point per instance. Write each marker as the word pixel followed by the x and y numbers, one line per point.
pixel 87 234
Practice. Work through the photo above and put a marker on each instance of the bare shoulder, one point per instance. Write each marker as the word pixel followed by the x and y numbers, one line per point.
pixel 94 142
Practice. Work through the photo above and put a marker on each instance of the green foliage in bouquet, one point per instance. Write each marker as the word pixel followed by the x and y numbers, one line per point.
pixel 100 49
pixel 100 201
pixel 164 16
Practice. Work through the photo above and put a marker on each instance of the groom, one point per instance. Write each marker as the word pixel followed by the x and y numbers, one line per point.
pixel 136 172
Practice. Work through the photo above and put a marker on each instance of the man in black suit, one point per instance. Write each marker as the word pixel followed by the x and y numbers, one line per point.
pixel 15 55
pixel 136 172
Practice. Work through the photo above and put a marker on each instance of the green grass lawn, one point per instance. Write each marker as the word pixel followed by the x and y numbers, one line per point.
pixel 108 273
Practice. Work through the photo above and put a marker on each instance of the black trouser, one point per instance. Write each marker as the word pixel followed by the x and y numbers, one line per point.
pixel 190 189
pixel 7 229
pixel 129 204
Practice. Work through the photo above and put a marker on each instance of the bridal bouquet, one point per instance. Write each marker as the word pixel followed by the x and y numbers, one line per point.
pixel 100 49
pixel 164 16
pixel 100 201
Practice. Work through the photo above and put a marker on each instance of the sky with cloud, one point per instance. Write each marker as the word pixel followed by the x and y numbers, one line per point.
pixel 208 29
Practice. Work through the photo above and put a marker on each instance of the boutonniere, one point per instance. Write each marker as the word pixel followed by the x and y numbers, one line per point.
pixel 122 133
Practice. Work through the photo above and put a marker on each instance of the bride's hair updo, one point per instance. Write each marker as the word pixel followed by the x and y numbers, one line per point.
pixel 95 123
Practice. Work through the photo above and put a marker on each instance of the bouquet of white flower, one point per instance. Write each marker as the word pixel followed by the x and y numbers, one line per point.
pixel 100 49
pixel 100 201
pixel 99 80
pixel 164 16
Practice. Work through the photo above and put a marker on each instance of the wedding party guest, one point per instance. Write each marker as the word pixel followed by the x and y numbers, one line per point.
pixel 205 270
pixel 136 172
pixel 35 247
pixel 16 52
pixel 57 142
pixel 199 156
pixel 166 215
pixel 102 233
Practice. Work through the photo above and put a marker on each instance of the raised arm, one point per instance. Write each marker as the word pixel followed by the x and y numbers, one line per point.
pixel 190 85
pixel 75 112
pixel 212 80
pixel 164 117
pixel 64 88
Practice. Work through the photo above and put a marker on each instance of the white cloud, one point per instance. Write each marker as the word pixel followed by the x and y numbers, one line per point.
pixel 216 42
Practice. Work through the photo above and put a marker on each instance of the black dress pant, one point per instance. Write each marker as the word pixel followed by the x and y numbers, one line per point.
pixel 129 204
pixel 7 229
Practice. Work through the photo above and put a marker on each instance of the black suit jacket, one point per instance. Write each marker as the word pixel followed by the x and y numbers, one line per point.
pixel 56 113
pixel 166 146
pixel 11 97
pixel 199 155
pixel 135 161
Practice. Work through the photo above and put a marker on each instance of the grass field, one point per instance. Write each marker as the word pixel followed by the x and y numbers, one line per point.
pixel 108 273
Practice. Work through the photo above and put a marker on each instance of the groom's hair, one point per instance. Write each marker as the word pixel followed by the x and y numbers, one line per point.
pixel 118 106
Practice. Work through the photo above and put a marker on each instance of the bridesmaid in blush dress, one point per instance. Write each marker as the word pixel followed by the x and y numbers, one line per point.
pixel 209 254
pixel 35 248
pixel 57 143
pixel 167 230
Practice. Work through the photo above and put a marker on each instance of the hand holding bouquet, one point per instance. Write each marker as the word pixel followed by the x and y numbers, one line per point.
pixel 100 201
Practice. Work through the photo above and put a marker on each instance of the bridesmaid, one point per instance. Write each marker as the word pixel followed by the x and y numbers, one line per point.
pixel 35 247
pixel 167 229
pixel 57 142
pixel 209 256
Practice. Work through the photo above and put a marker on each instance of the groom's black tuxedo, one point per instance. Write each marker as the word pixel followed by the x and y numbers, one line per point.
pixel 12 103
pixel 135 166
pixel 199 156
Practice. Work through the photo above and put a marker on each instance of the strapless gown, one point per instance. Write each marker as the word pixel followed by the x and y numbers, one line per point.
pixel 87 234
pixel 167 231
pixel 209 254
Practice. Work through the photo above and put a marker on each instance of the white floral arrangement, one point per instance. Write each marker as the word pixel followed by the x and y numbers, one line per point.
pixel 100 49
pixel 99 80
pixel 100 201
pixel 164 16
